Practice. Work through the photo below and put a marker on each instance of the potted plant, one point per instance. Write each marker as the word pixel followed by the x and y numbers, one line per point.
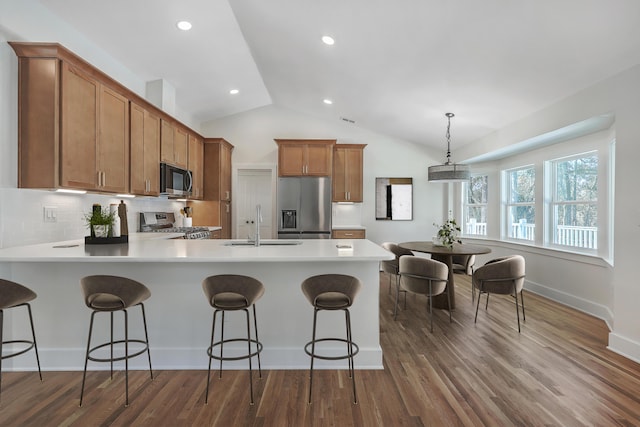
pixel 447 233
pixel 99 221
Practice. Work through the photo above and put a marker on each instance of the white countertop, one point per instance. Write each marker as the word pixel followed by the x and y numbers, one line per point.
pixel 143 248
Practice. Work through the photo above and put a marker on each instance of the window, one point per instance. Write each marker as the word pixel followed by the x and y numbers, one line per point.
pixel 475 206
pixel 574 201
pixel 520 203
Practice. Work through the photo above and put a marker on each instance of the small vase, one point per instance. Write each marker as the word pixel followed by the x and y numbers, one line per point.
pixel 101 230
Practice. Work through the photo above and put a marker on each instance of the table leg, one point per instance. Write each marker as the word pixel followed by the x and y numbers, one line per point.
pixel 440 301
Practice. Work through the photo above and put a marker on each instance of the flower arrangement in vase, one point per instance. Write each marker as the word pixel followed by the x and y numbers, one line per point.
pixel 447 233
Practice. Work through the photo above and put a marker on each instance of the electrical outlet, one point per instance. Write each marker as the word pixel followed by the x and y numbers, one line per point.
pixel 50 214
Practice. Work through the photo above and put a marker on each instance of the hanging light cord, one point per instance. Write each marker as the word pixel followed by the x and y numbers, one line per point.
pixel 449 115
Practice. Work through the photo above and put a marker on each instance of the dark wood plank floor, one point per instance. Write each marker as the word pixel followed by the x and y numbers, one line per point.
pixel 557 372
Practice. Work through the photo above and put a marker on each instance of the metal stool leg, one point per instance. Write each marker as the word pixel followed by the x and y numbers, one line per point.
pixel 146 337
pixel 86 358
pixel 209 351
pixel 246 312
pixel 313 351
pixel 35 344
pixel 352 372
pixel 255 326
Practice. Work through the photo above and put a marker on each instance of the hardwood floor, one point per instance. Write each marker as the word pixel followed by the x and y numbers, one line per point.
pixel 557 372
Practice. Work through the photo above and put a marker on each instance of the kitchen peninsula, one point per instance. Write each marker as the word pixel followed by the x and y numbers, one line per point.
pixel 178 315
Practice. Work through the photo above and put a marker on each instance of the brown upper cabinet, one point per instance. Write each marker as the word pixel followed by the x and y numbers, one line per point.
pixel 145 152
pixel 76 124
pixel 73 129
pixel 217 175
pixel 174 144
pixel 305 157
pixel 347 172
pixel 195 165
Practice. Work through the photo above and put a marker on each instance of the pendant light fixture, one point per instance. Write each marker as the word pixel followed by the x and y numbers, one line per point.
pixel 449 172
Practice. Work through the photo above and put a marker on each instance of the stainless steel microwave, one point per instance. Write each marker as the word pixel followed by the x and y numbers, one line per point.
pixel 175 181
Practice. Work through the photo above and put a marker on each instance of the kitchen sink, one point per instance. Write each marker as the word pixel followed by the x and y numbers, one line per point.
pixel 266 242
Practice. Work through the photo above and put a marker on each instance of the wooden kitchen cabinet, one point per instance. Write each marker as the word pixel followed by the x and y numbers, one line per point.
pixel 94 146
pixel 75 127
pixel 145 151
pixel 305 157
pixel 215 209
pixel 173 144
pixel 195 165
pixel 348 234
pixel 347 172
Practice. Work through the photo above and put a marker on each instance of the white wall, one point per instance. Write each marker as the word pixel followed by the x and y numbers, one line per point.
pixel 253 133
pixel 616 289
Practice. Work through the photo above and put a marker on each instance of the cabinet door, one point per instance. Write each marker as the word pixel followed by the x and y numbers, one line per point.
pixel 180 147
pixel 113 142
pixel 339 175
pixel 225 173
pixel 318 160
pixel 195 166
pixel 145 152
pixel 79 130
pixel 152 153
pixel 166 142
pixel 353 176
pixel 136 174
pixel 291 159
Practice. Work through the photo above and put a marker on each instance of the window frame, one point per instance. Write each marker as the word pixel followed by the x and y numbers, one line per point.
pixel 466 205
pixel 508 203
pixel 551 199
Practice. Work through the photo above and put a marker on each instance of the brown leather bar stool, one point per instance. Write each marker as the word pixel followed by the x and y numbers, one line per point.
pixel 15 295
pixel 332 292
pixel 110 294
pixel 233 292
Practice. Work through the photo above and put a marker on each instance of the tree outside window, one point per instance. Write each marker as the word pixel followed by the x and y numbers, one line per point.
pixel 575 201
pixel 475 206
pixel 521 203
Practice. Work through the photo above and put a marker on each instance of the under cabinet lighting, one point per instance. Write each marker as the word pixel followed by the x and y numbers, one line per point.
pixel 126 196
pixel 65 190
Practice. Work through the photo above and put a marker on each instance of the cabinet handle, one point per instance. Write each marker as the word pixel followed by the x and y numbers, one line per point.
pixel 227 196
pixel 227 207
pixel 104 179
pixel 348 234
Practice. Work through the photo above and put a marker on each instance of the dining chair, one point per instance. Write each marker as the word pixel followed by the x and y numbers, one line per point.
pixel 504 276
pixel 391 267
pixel 425 276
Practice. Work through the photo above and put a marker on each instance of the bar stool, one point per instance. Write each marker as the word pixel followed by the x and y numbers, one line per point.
pixel 232 292
pixel 111 294
pixel 15 295
pixel 332 292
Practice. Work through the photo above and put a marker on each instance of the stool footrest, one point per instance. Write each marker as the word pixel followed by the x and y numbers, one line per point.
pixel 244 356
pixel 116 359
pixel 354 349
pixel 17 353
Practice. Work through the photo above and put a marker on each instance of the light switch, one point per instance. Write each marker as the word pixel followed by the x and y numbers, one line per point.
pixel 50 214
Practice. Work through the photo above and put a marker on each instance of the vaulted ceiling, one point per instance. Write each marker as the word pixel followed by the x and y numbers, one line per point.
pixel 396 66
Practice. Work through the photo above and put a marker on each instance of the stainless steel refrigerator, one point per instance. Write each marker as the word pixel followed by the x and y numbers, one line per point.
pixel 304 208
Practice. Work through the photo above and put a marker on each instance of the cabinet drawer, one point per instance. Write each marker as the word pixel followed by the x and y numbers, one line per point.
pixel 217 234
pixel 348 234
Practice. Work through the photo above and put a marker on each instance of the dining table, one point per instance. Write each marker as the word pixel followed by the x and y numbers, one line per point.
pixel 445 254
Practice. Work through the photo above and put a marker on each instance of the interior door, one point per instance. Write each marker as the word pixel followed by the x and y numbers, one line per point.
pixel 254 187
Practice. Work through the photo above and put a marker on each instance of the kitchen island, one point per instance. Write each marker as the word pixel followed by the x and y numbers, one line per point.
pixel 178 315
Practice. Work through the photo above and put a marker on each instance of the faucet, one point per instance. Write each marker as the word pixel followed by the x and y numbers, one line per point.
pixel 256 241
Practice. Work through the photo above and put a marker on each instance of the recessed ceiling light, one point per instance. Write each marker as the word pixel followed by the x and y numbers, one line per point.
pixel 328 101
pixel 234 91
pixel 328 40
pixel 184 25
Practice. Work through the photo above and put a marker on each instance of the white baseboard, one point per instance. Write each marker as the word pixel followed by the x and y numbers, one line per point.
pixel 624 347
pixel 597 310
